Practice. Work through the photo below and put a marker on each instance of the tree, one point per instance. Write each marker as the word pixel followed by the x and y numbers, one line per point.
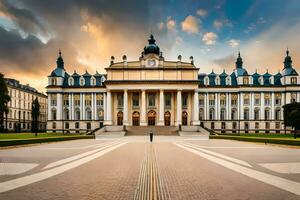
pixel 35 113
pixel 292 116
pixel 4 99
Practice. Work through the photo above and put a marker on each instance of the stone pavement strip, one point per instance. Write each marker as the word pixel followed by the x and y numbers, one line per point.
pixel 150 186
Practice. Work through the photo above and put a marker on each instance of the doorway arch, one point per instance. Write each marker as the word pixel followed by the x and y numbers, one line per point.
pixel 120 118
pixel 151 118
pixel 135 118
pixel 167 118
pixel 184 118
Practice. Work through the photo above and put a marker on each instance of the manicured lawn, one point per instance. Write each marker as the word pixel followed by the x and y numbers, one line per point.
pixel 12 136
pixel 266 135
pixel 287 139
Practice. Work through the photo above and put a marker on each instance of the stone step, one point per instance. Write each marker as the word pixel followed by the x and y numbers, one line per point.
pixel 157 130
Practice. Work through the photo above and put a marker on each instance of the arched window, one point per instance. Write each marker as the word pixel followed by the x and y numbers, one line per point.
pixel 77 114
pixel 53 114
pixel 66 114
pixel 246 114
pixel 206 80
pixel 267 114
pixel 93 81
pixel 71 81
pixel 102 79
pixel 233 114
pixel 88 114
pixel 223 114
pixel 82 82
pixel 256 114
pixel 53 81
pixel 277 114
pixel 201 114
pixel 211 114
pixel 100 114
pixel 228 80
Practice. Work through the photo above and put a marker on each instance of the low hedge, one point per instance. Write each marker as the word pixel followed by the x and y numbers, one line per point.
pixel 15 142
pixel 259 139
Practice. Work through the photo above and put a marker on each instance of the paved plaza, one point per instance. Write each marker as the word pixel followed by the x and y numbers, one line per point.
pixel 133 168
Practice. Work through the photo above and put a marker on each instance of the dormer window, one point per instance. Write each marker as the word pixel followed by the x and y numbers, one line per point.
pixel 228 81
pixel 294 80
pixel 93 81
pixel 71 81
pixel 217 80
pixel 53 81
pixel 245 81
pixel 82 81
pixel 206 80
pixel 102 80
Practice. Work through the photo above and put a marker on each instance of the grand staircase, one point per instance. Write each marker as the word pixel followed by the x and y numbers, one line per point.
pixel 157 130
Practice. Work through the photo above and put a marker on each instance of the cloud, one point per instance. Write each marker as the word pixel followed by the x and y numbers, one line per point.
pixel 202 12
pixel 234 43
pixel 179 40
pixel 190 24
pixel 210 38
pixel 171 24
pixel 160 26
pixel 226 62
pixel 218 24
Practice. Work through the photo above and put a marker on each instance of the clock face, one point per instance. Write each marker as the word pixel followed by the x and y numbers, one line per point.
pixel 151 63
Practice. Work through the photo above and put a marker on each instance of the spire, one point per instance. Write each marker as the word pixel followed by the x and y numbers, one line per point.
pixel 60 61
pixel 288 60
pixel 239 61
pixel 151 40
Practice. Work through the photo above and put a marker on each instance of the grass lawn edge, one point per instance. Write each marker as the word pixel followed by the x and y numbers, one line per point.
pixel 15 142
pixel 258 139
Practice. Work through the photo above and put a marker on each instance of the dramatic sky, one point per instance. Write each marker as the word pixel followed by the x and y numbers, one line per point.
pixel 90 31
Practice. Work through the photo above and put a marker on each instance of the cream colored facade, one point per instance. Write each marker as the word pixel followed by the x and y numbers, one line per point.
pixel 19 116
pixel 154 92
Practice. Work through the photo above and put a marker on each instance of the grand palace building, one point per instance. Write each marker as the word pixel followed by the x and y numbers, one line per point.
pixel 155 92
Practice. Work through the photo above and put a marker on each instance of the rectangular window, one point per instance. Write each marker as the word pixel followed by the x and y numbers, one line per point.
pixel 184 100
pixel 76 100
pixel 151 99
pixel 245 81
pixel 88 100
pixel 168 98
pixel 120 100
pixel 135 99
pixel 294 80
pixel 66 100
pixel 99 99
pixel 53 99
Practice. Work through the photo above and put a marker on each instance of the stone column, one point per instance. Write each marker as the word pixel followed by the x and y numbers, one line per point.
pixel 109 109
pixel 70 106
pixel 143 121
pixel 59 107
pixel 93 106
pixel 83 107
pixel 242 106
pixel 161 109
pixel 104 106
pixel 272 106
pixel 49 108
pixel 216 107
pixel 262 105
pixel 196 121
pixel 125 108
pixel 179 108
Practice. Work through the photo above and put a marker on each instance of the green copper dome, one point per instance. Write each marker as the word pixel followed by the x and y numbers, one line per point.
pixel 151 47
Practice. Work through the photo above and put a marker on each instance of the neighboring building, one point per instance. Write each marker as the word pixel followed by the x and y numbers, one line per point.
pixel 153 91
pixel 19 116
